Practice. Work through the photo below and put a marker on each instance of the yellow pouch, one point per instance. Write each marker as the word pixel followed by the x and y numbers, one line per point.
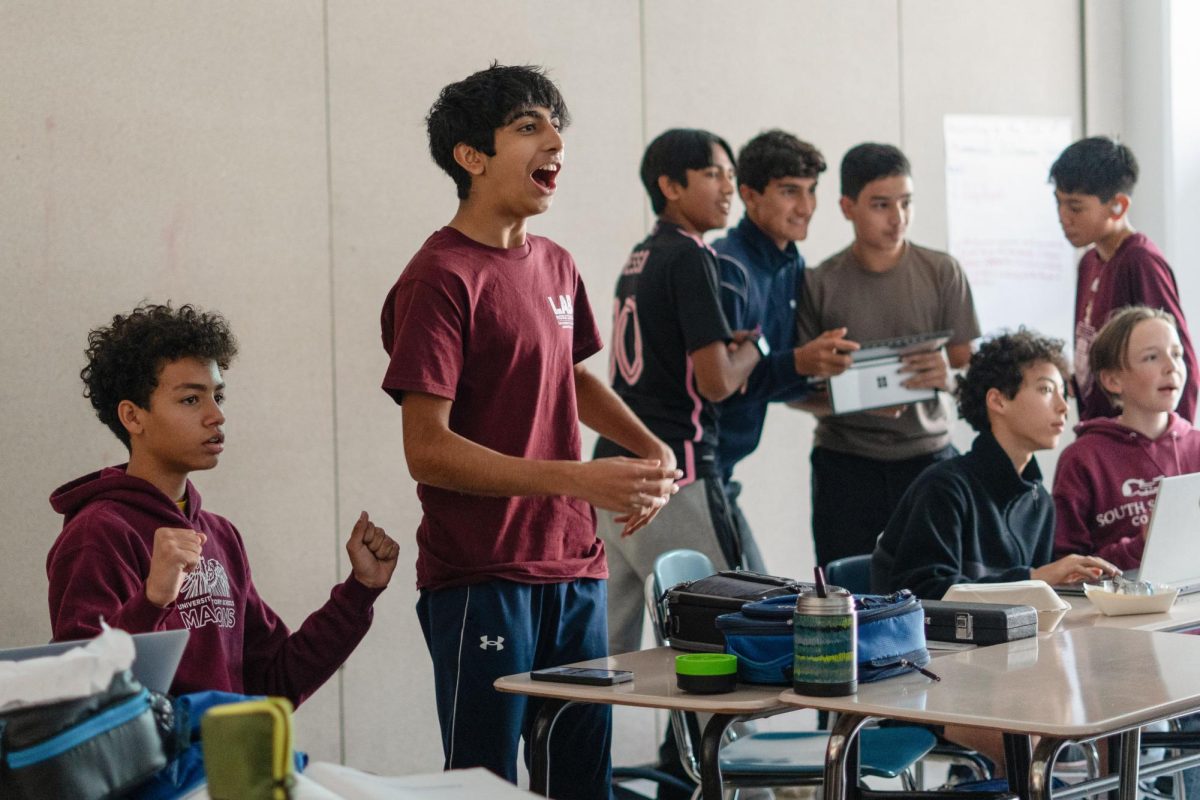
pixel 248 750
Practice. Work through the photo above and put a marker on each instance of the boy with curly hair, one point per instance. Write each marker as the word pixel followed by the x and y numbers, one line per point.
pixel 985 516
pixel 138 551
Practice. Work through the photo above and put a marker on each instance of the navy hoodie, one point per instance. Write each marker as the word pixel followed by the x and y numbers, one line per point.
pixel 970 519
pixel 98 567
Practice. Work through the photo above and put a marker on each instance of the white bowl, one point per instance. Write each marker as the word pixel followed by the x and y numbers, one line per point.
pixel 1115 605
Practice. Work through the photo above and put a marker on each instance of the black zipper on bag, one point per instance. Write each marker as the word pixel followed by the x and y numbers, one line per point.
pixel 904 662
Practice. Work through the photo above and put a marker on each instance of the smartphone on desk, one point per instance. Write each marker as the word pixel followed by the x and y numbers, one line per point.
pixel 591 677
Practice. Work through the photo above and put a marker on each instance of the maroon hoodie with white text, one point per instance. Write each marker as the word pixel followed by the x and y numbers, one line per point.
pixel 1106 482
pixel 98 567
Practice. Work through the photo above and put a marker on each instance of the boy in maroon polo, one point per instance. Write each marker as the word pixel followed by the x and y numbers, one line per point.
pixel 1094 180
pixel 486 330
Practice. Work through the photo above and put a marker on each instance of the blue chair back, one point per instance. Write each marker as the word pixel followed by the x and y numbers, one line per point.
pixel 677 566
pixel 852 573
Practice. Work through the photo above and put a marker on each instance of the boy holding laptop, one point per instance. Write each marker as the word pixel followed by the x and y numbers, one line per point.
pixel 881 287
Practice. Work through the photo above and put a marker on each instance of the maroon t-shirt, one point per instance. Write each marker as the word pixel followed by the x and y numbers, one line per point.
pixel 497 331
pixel 1137 274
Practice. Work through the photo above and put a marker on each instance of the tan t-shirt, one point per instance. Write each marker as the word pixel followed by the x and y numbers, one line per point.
pixel 926 292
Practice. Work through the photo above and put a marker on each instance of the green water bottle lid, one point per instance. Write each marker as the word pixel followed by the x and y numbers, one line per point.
pixel 706 664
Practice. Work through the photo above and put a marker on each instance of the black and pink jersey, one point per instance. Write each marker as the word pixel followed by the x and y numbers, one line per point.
pixel 667 306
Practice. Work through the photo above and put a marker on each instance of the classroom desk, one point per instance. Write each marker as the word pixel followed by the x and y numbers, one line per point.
pixel 1088 681
pixel 653 686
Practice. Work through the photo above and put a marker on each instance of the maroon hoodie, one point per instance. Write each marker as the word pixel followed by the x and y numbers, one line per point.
pixel 98 568
pixel 1106 482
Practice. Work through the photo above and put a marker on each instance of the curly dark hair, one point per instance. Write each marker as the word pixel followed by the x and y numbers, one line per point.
pixel 777 154
pixel 470 111
pixel 1000 364
pixel 124 359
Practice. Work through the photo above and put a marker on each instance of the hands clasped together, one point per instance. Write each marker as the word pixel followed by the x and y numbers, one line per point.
pixel 635 488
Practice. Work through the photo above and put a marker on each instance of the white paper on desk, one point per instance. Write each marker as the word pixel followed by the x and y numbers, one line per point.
pixel 464 784
pixel 304 789
pixel 78 672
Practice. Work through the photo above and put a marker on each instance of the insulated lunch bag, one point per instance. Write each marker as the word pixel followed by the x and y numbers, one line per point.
pixel 692 607
pixel 94 747
pixel 891 637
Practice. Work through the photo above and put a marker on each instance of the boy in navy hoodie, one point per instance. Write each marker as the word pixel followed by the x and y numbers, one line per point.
pixel 138 551
pixel 985 516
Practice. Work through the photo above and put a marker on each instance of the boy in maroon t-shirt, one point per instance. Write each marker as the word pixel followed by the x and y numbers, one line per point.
pixel 486 330
pixel 1094 181
pixel 137 549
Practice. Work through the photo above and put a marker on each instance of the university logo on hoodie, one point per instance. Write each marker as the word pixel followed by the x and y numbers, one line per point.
pixel 205 597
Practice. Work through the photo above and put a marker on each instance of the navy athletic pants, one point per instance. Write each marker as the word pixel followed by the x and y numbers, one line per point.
pixel 481 632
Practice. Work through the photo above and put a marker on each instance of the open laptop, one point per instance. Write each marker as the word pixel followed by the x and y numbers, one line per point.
pixel 1172 552
pixel 1171 555
pixel 155 655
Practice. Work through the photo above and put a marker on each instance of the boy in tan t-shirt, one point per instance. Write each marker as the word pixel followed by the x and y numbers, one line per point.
pixel 881 287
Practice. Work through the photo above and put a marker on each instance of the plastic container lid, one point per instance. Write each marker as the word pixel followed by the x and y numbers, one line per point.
pixel 706 664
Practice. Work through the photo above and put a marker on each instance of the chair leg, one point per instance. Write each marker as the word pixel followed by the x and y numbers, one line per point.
pixel 1091 755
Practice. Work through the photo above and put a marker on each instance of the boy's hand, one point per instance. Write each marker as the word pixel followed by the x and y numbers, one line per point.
pixel 930 370
pixel 826 355
pixel 372 553
pixel 1072 568
pixel 176 553
pixel 635 488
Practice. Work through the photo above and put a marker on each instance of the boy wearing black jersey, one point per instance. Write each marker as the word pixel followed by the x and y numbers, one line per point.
pixel 673 358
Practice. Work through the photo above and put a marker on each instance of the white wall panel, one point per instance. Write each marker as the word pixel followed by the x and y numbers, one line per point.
pixel 1018 58
pixel 170 150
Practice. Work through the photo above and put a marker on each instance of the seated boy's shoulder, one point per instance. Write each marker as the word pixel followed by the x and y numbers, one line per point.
pixel 951 476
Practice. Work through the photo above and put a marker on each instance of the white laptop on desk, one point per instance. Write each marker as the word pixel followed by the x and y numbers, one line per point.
pixel 1172 552
pixel 156 655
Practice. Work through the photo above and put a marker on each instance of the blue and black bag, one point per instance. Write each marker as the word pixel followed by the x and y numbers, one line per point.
pixel 98 746
pixel 891 637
